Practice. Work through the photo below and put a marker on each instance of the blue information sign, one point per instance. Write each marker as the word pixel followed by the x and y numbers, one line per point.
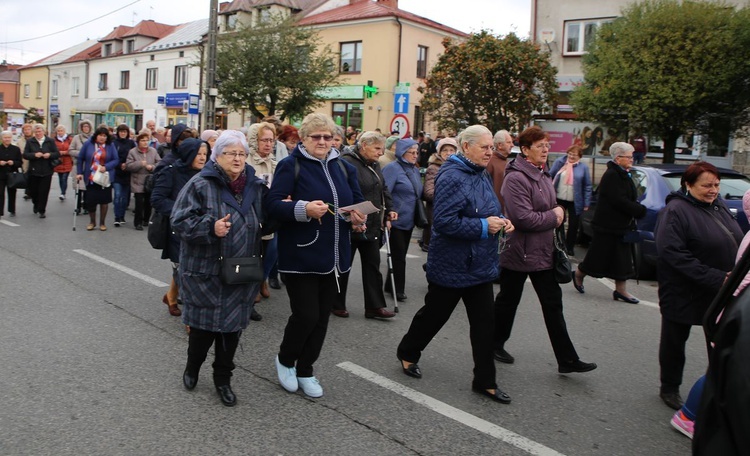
pixel 401 103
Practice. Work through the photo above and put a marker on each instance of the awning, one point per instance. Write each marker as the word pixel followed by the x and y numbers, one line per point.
pixel 101 105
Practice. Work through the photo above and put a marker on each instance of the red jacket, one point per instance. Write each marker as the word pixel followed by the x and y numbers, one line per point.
pixel 66 161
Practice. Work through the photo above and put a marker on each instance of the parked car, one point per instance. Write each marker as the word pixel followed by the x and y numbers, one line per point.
pixel 654 183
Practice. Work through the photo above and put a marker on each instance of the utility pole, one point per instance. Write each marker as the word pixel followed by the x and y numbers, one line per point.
pixel 212 92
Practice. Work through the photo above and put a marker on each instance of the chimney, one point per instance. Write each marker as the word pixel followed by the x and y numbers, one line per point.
pixel 390 3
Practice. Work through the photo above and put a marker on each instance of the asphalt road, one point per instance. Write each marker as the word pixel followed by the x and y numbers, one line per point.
pixel 91 364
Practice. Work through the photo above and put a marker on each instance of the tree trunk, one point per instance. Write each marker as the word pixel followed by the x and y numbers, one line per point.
pixel 670 143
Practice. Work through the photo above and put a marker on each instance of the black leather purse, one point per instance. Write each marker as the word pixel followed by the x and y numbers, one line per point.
pixel 241 270
pixel 561 263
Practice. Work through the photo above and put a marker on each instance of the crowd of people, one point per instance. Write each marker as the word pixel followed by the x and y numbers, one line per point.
pixel 307 199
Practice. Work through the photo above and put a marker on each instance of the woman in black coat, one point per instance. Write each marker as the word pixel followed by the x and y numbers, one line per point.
pixel 696 243
pixel 10 162
pixel 40 151
pixel 609 255
pixel 364 157
pixel 168 182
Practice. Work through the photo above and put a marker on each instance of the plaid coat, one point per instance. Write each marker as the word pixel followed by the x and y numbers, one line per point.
pixel 208 303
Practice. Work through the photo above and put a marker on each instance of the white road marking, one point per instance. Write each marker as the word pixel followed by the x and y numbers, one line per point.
pixel 119 267
pixel 611 285
pixel 448 411
pixel 5 222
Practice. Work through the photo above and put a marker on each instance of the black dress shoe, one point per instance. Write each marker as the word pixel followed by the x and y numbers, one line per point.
pixel 616 295
pixel 42 215
pixel 401 297
pixel 343 313
pixel 379 313
pixel 273 282
pixel 575 284
pixel 497 396
pixel 139 227
pixel 226 395
pixel 412 370
pixel 189 379
pixel 255 316
pixel 673 400
pixel 575 366
pixel 503 356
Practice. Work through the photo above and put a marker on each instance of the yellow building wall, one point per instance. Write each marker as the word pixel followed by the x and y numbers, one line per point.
pixel 32 76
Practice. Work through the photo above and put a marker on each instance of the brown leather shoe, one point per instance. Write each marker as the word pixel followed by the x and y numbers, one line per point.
pixel 343 313
pixel 257 298
pixel 379 313
pixel 175 311
pixel 264 290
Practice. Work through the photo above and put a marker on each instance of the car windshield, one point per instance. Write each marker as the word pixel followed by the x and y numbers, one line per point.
pixel 732 187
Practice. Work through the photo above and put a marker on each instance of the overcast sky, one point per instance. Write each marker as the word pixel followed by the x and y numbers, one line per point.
pixel 23 21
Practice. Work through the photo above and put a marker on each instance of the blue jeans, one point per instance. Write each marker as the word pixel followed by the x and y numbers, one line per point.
pixel 122 197
pixel 63 179
pixel 693 402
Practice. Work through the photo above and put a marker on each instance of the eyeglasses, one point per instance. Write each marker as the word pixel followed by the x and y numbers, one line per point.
pixel 240 155
pixel 319 137
pixel 627 157
pixel 267 140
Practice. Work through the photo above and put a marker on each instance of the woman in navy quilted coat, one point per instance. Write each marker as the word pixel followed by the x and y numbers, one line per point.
pixel 463 260
pixel 217 214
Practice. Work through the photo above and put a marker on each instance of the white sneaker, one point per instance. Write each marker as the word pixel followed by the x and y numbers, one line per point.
pixel 287 376
pixel 310 386
pixel 62 197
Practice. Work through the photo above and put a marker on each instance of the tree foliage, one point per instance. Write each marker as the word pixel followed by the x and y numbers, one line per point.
pixel 274 68
pixel 669 67
pixel 489 80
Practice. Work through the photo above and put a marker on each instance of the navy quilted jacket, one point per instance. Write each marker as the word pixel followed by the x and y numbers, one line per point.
pixel 462 252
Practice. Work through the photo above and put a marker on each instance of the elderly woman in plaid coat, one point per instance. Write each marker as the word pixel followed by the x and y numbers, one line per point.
pixel 217 214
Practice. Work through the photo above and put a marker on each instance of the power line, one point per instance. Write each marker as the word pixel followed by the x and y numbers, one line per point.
pixel 69 28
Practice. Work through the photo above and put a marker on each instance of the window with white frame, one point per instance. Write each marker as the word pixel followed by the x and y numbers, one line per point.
pixel 124 79
pixel 180 77
pixel 422 62
pixel 103 81
pixel 75 86
pixel 264 15
pixel 580 34
pixel 152 78
pixel 39 89
pixel 130 46
pixel 26 91
pixel 107 50
pixel 54 88
pixel 231 21
pixel 351 57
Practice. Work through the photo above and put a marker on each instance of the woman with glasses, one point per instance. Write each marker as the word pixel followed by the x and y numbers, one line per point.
pixel 405 184
pixel 572 181
pixel 309 189
pixel 463 259
pixel 261 140
pixel 609 254
pixel 531 205
pixel 217 214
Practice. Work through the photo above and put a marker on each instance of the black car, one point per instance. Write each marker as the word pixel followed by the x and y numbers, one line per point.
pixel 653 183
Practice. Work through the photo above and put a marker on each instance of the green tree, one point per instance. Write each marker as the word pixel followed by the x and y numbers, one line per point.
pixel 489 80
pixel 669 67
pixel 274 68
pixel 32 115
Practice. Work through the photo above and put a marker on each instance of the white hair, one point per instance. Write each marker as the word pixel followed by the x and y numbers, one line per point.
pixel 229 138
pixel 620 148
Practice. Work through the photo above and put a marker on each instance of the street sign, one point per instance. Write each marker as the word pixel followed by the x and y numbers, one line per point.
pixel 401 103
pixel 400 123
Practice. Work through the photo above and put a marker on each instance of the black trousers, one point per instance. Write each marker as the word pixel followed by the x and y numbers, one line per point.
pixel 225 346
pixel 311 297
pixel 142 209
pixel 574 221
pixel 400 240
pixel 439 304
pixel 11 195
pixel 372 279
pixel 39 191
pixel 674 336
pixel 550 297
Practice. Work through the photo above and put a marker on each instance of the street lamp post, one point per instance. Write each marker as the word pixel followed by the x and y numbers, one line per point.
pixel 211 93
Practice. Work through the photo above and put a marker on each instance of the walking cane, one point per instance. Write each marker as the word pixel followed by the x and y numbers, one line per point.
pixel 390 268
pixel 75 203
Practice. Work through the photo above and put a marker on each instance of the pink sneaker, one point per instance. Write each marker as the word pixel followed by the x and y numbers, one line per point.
pixel 683 423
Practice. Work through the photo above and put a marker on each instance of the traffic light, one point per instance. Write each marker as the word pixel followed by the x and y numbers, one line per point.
pixel 370 90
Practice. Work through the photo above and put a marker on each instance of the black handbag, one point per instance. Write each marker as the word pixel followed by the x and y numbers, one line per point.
pixel 17 180
pixel 242 270
pixel 55 163
pixel 158 231
pixel 561 263
pixel 420 215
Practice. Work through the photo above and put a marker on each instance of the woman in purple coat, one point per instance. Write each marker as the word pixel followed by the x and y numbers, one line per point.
pixel 531 206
